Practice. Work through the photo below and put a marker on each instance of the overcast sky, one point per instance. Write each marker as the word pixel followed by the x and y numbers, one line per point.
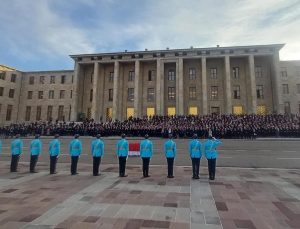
pixel 41 34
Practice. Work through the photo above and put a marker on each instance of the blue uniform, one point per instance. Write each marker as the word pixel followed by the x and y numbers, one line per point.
pixel 195 148
pixel 170 149
pixel 54 147
pixel 146 148
pixel 35 147
pixel 210 148
pixel 122 148
pixel 75 147
pixel 97 148
pixel 17 147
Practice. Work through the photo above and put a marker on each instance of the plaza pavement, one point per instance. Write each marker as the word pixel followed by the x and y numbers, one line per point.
pixel 238 198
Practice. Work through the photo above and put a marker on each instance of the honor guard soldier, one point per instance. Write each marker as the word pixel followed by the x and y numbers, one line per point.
pixel 170 153
pixel 195 149
pixel 75 149
pixel 146 149
pixel 16 151
pixel 35 150
pixel 97 153
pixel 54 151
pixel 211 155
pixel 122 153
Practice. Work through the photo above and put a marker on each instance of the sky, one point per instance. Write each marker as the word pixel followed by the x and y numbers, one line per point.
pixel 41 34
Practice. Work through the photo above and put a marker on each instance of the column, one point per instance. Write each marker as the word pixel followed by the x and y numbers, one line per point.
pixel 74 111
pixel 253 102
pixel 100 99
pixel 277 97
pixel 159 87
pixel 115 91
pixel 179 87
pixel 95 115
pixel 228 106
pixel 204 86
pixel 137 89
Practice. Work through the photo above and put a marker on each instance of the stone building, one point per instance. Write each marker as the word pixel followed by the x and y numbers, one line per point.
pixel 197 81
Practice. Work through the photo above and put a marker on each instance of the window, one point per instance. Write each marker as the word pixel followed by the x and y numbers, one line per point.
pixel 71 94
pixel 150 111
pixel 2 75
pixel 150 95
pixel 237 110
pixel 51 94
pixel 283 72
pixel 130 112
pixel 29 95
pixel 1 91
pixel 72 80
pixel 192 73
pixel 236 72
pixel 27 113
pixel 49 113
pixel 258 72
pixel 298 88
pixel 109 113
pixel 11 93
pixel 52 79
pixel 261 110
pixel 38 113
pixel 193 110
pixel 171 111
pixel 171 93
pixel 287 108
pixel 214 92
pixel 9 112
pixel 31 80
pixel 131 76
pixel 0 108
pixel 91 95
pixel 298 108
pixel 63 79
pixel 61 116
pixel 171 75
pixel 151 75
pixel 192 93
pixel 110 95
pixel 40 94
pixel 13 78
pixel 213 73
pixel 215 110
pixel 62 94
pixel 260 91
pixel 130 96
pixel 236 92
pixel 42 79
pixel 92 77
pixel 111 77
pixel 285 88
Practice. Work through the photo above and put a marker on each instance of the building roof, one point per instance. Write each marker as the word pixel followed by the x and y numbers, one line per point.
pixel 6 68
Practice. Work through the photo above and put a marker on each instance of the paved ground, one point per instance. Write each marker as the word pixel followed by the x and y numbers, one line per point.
pixel 239 198
pixel 267 153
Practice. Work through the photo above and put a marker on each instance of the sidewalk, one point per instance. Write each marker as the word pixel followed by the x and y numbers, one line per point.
pixel 238 198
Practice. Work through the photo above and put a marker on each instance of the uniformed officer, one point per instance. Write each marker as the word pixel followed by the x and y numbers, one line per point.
pixel 146 149
pixel 97 152
pixel 75 149
pixel 54 151
pixel 195 150
pixel 211 155
pixel 170 153
pixel 16 151
pixel 35 150
pixel 122 153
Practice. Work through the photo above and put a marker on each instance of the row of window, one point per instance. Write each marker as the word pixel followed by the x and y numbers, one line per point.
pixel 40 94
pixel 42 79
pixel 13 77
pixel 11 92
pixel 285 89
pixel 38 116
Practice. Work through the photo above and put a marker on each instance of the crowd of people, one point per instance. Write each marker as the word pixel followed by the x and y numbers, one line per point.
pixel 220 126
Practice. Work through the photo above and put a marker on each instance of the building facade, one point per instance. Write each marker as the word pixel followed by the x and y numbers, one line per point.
pixel 105 86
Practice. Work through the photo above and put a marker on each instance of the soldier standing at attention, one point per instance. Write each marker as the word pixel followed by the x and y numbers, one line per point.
pixel 211 155
pixel 54 151
pixel 35 150
pixel 97 153
pixel 16 151
pixel 170 153
pixel 146 149
pixel 195 149
pixel 122 153
pixel 75 149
